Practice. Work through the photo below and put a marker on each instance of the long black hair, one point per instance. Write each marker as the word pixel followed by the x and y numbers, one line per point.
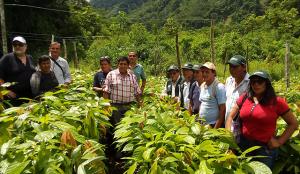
pixel 269 96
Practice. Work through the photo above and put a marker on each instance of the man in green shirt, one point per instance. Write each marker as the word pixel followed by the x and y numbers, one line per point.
pixel 137 69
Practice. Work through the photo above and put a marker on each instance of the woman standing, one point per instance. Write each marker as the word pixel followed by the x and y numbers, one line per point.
pixel 259 110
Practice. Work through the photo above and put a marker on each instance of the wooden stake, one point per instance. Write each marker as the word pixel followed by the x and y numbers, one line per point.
pixel 75 58
pixel 287 68
pixel 65 49
pixel 212 44
pixel 3 27
pixel 177 52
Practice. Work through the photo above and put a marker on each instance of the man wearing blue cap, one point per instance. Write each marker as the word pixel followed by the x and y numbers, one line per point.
pixel 237 83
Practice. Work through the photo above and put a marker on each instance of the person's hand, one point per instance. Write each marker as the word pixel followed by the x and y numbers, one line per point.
pixel 97 89
pixel 274 143
pixel 11 95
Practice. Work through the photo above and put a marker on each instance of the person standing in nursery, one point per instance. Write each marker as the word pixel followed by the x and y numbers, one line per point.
pixel 259 113
pixel 44 79
pixel 137 69
pixel 59 65
pixel 100 76
pixel 17 67
pixel 212 97
pixel 237 83
pixel 195 91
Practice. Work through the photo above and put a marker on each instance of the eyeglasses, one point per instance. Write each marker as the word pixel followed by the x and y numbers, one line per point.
pixel 258 81
pixel 18 44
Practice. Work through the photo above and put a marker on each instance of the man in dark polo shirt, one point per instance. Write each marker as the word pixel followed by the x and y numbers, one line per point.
pixel 17 67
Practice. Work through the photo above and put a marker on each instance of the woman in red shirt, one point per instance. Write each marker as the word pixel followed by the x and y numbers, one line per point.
pixel 259 113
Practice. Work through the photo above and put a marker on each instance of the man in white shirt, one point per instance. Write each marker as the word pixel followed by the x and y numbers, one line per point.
pixel 237 83
pixel 59 65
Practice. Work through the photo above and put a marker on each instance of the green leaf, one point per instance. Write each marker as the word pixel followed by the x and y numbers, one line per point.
pixel 17 167
pixel 153 169
pixel 189 139
pixel 132 168
pixel 128 147
pixel 45 136
pixel 147 153
pixel 249 150
pixel 5 147
pixel 259 167
pixel 196 129
pixel 203 169
pixel 183 131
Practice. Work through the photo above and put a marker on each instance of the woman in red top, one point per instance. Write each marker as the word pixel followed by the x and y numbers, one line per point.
pixel 259 113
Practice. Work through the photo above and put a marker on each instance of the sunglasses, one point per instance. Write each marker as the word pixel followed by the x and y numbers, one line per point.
pixel 257 81
pixel 18 44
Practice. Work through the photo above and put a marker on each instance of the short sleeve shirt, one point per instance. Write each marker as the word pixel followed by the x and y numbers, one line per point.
pixel 139 72
pixel 122 88
pixel 259 121
pixel 233 92
pixel 209 108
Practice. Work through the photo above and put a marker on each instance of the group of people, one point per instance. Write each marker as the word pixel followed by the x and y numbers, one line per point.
pixel 28 80
pixel 250 97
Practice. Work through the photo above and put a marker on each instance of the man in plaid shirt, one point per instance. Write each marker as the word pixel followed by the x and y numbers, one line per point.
pixel 122 89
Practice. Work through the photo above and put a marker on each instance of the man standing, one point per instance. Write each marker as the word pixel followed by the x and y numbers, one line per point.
pixel 122 89
pixel 17 67
pixel 100 76
pixel 173 85
pixel 237 83
pixel 212 97
pixel 188 74
pixel 137 69
pixel 59 65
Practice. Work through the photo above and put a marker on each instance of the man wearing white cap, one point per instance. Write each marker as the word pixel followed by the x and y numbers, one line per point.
pixel 212 97
pixel 17 67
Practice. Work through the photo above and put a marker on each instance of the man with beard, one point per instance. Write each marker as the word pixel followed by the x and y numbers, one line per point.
pixel 17 67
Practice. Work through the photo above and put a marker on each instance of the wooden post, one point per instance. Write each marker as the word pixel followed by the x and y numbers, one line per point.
pixel 287 68
pixel 75 54
pixel 3 27
pixel 212 44
pixel 247 58
pixel 177 52
pixel 65 49
pixel 52 40
pixel 225 62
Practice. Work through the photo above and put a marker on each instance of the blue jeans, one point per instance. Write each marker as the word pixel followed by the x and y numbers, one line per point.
pixel 270 154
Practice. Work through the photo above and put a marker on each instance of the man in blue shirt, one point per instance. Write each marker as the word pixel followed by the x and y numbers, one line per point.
pixel 137 69
pixel 212 97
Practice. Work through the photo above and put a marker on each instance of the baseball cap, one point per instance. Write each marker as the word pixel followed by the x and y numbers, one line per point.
pixel 196 67
pixel 237 60
pixel 173 67
pixel 209 65
pixel 262 74
pixel 188 66
pixel 19 39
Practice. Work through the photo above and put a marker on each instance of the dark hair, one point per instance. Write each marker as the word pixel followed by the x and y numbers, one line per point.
pixel 268 96
pixel 43 58
pixel 105 58
pixel 123 58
